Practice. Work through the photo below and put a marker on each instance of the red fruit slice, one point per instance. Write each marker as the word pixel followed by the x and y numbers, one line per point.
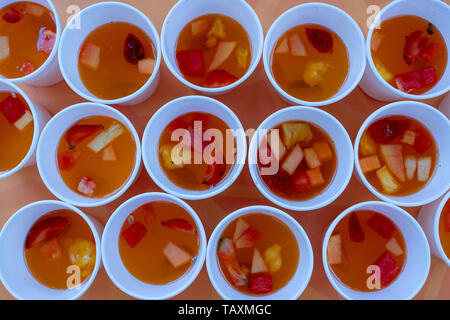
pixel 86 186
pixel 134 233
pixel 45 230
pixel 301 181
pixel 415 43
pixel 219 78
pixel 422 142
pixel 382 225
pixel 248 238
pixel 133 49
pixel 320 39
pixel 384 130
pixel 12 15
pixel 12 108
pixel 260 283
pixel 191 63
pixel 179 225
pixel 228 257
pixel 430 52
pixel 281 182
pixel 388 268
pixel 46 40
pixel 409 81
pixel 214 173
pixel 149 214
pixel 79 132
pixel 27 67
pixel 355 230
pixel 67 160
pixel 428 75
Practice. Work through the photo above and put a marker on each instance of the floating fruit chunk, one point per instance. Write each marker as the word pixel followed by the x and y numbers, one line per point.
pixel 146 66
pixel 312 160
pixel 228 257
pixel 169 162
pixel 51 249
pixel 315 177
pixel 148 213
pixel 283 47
pixel 382 225
pixel 12 108
pixel 68 159
pixel 179 225
pixel 241 227
pixel 387 180
pixel 293 160
pixel 133 49
pixel 80 132
pixel 216 32
pixel 323 151
pixel 297 47
pixel 223 52
pixel 382 70
pixel 392 155
pixel 46 40
pixel 34 9
pixel 421 142
pixel 423 169
pixel 199 26
pixel 277 148
pixel 281 181
pixel 388 267
pixel 415 42
pixel 354 228
pixel 410 166
pixel 301 181
pixel 258 264
pixel 394 247
pixel 134 233
pixel 242 57
pixel 191 63
pixel 45 230
pixel 106 137
pixel 82 253
pixel 219 78
pixel 296 132
pixel 248 238
pixel 367 146
pixel 12 15
pixel 272 256
pixel 369 164
pixel 109 154
pixel 4 47
pixel 177 256
pixel 430 52
pixel 408 137
pixel 214 173
pixel 384 131
pixel 27 67
pixel 312 74
pixel 416 80
pixel 90 55
pixel 24 121
pixel 320 39
pixel 428 75
pixel 260 283
pixel 87 186
pixel 334 249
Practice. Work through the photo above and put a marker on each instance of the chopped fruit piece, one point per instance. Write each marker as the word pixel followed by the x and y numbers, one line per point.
pixel 34 10
pixel 369 164
pixel 179 225
pixel 4 47
pixel 247 239
pixel 323 151
pixel 430 52
pixel 277 147
pixel 216 32
pixel 312 160
pixel 106 137
pixel 82 254
pixel 388 182
pixel 354 228
pixel 12 108
pixel 134 233
pixel 214 173
pixel 27 67
pixel 245 269
pixel 415 43
pixel 281 181
pixel 382 225
pixel 320 39
pixel 293 160
pixel 90 55
pixel 415 80
pixel 67 160
pixel 242 57
pixel 258 264
pixel 367 146
pixel 384 130
pixel 191 63
pixel 219 78
pixel 313 72
pixel 297 47
pixel 394 247
pixel 273 257
pixel 133 49
pixel 46 41
pixel 388 267
pixel 176 255
pixel 199 26
pixel 86 186
pixel 51 249
pixel 260 283
pixel 376 41
pixel 428 75
pixel 383 71
pixel 241 227
pixel 294 132
pixel 315 177
pixel 12 15
pixel 423 169
pixel 228 257
pixel 109 154
pixel 410 166
pixel 283 47
pixel 393 157
pixel 146 66
pixel 45 230
pixel 422 142
pixel 79 132
pixel 24 120
pixel 334 249
pixel 149 213
pixel 223 52
pixel 301 181
pixel 169 162
pixel 408 137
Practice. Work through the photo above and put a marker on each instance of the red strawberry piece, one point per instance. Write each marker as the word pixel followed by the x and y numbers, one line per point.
pixel 260 283
pixel 422 142
pixel 134 233
pixel 227 255
pixel 447 226
pixel 67 160
pixel 281 182
pixel 409 81
pixel 45 230
pixel 430 52
pixel 388 268
pixel 133 49
pixel 384 131
pixel 301 181
pixel 149 213
pixel 415 43
pixel 46 40
pixel 355 230
pixel 214 173
pixel 179 225
pixel 248 238
pixel 382 225
pixel 79 132
pixel 191 63
pixel 429 76
pixel 12 108
pixel 27 67
pixel 320 39
pixel 219 78
pixel 12 15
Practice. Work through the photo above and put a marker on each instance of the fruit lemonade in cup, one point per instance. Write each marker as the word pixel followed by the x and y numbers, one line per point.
pixel 409 53
pixel 27 37
pixel 115 60
pixel 444 229
pixel 213 51
pixel 366 251
pixel 397 155
pixel 159 242
pixel 310 62
pixel 258 254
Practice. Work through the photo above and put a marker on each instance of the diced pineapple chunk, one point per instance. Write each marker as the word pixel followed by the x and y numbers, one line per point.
pixel 296 132
pixel 313 72
pixel 388 182
pixel 24 120
pixel 4 47
pixel 216 32
pixel 410 166
pixel 409 137
pixel 383 71
pixel 334 249
pixel 367 146
pixel 283 47
pixel 394 247
pixel 106 137
pixel 242 57
pixel 199 26
pixel 423 168
pixel 293 160
pixel 272 255
pixel 312 160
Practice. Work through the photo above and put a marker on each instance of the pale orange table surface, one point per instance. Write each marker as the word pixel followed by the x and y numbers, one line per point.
pixel 252 102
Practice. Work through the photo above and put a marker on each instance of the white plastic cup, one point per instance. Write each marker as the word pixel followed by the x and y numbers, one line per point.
pixel 417 264
pixel 113 263
pixel 171 111
pixel 332 18
pixel 47 151
pixel 293 289
pixel 90 19
pixel 439 127
pixel 428 218
pixel 444 107
pixel 40 118
pixel 48 73
pixel 184 11
pixel 342 146
pixel 435 11
pixel 14 272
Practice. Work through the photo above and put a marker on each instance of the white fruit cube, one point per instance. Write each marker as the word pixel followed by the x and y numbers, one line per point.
pixel 258 264
pixel 146 66
pixel 199 26
pixel 109 154
pixel 293 160
pixel 283 47
pixel 423 168
pixel 334 249
pixel 394 247
pixel 223 52
pixel 410 166
pixel 106 137
pixel 297 47
pixel 277 147
pixel 312 160
pixel 4 47
pixel 90 55
pixel 409 137
pixel 24 120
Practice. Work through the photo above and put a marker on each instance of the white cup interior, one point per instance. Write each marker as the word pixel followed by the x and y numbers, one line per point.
pixel 48 148
pixel 417 263
pixel 293 289
pixel 117 271
pixel 14 272
pixel 439 127
pixel 185 11
pixel 171 111
pixel 332 18
pixel 342 146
